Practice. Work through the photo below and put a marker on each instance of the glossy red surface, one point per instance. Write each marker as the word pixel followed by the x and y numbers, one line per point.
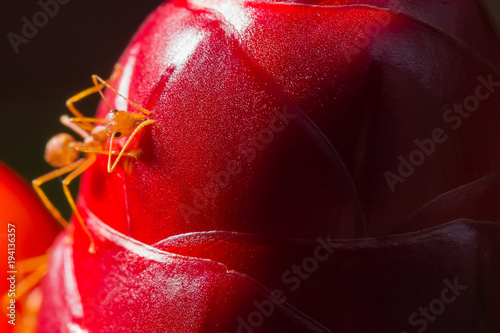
pixel 356 86
pixel 278 124
pixel 233 282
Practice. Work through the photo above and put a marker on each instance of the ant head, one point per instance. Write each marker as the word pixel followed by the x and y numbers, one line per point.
pixel 60 150
pixel 120 123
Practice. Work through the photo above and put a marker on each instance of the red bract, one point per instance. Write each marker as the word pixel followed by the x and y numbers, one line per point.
pixel 28 228
pixel 182 285
pixel 305 120
pixel 278 115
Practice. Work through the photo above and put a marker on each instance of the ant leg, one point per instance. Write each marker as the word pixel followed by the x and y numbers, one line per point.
pixel 134 153
pixel 111 168
pixel 31 280
pixel 77 128
pixel 87 120
pixel 82 94
pixel 77 97
pixel 37 183
pixel 102 83
pixel 30 264
pixel 28 283
pixel 89 91
pixel 78 124
pixel 87 162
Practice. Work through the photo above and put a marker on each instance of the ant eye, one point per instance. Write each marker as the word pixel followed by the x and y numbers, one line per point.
pixel 118 134
pixel 114 110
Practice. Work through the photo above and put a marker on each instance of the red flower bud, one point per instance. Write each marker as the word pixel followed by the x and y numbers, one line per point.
pixel 279 129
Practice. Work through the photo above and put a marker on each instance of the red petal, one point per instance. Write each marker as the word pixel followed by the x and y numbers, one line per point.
pixel 130 286
pixel 27 230
pixel 370 99
pixel 361 103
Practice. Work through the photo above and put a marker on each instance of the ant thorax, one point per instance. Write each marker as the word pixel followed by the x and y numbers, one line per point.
pixel 99 134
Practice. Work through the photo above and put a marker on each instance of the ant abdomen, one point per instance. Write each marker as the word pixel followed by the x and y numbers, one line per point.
pixel 60 150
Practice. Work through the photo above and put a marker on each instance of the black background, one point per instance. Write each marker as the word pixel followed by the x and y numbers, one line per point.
pixel 83 38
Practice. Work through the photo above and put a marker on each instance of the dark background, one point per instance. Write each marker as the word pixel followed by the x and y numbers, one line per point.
pixel 85 37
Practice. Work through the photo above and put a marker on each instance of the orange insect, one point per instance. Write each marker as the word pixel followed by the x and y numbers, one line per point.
pixel 121 123
pixel 63 151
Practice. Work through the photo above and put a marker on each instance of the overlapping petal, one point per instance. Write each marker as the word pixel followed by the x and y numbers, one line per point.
pixel 233 282
pixel 281 130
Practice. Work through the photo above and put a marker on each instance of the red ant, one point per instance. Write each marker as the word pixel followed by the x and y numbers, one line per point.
pixel 63 151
